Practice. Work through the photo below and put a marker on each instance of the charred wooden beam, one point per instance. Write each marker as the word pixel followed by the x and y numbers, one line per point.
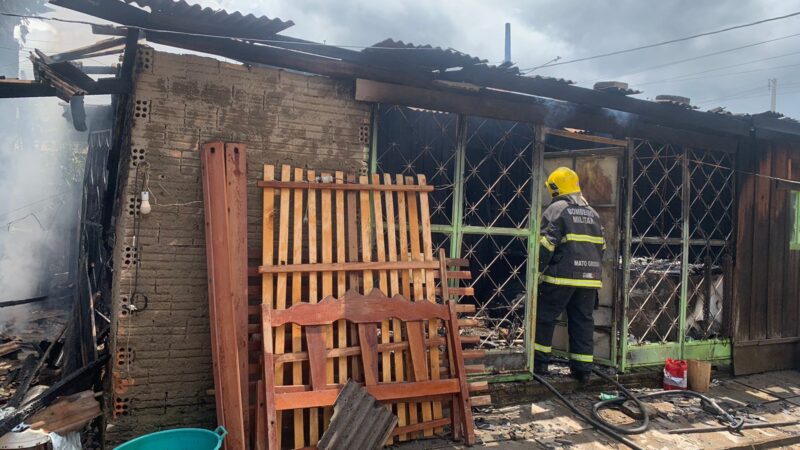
pixel 29 88
pixel 68 385
pixel 23 301
pixel 25 376
pixel 78 53
pixel 100 70
pixel 533 109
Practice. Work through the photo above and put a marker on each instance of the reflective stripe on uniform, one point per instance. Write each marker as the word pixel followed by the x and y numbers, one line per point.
pixel 542 348
pixel 546 244
pixel 584 238
pixel 581 358
pixel 571 282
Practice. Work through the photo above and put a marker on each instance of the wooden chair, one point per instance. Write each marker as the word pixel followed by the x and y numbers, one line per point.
pixel 367 313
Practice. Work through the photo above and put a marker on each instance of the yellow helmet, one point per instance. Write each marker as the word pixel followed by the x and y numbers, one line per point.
pixel 563 181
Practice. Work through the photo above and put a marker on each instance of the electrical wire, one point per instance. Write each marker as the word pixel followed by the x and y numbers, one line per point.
pixel 671 41
pixel 732 66
pixel 708 55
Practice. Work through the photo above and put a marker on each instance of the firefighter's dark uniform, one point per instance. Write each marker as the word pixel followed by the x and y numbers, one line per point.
pixel 571 251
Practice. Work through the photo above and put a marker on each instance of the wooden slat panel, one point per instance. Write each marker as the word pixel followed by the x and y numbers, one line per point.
pixel 352 255
pixel 236 197
pixel 341 279
pixel 459 275
pixel 367 266
pixel 402 431
pixel 458 291
pixel 430 285
pixel 281 283
pixel 362 186
pixel 474 354
pixel 416 346
pixel 267 298
pixel 358 308
pixel 313 296
pixel 368 341
pixel 481 400
pixel 418 277
pixel 261 417
pixel 465 308
pixel 315 338
pixel 212 313
pixel 382 392
pixel 457 262
pixel 221 293
pixel 297 284
pixel 326 229
pixel 405 283
pixel 354 351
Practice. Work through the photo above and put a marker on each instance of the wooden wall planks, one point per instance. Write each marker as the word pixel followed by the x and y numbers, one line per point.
pixel 766 296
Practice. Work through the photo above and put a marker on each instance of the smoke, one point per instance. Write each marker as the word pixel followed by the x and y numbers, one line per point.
pixel 41 160
pixel 623 119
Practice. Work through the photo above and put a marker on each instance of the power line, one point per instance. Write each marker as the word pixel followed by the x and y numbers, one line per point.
pixel 763 94
pixel 671 41
pixel 786 66
pixel 749 93
pixel 720 52
pixel 679 77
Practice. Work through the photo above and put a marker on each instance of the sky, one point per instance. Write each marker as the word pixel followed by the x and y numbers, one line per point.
pixel 546 29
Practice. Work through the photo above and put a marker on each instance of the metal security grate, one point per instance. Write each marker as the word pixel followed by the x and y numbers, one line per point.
pixel 498 265
pixel 710 233
pixel 419 142
pixel 656 252
pixel 497 178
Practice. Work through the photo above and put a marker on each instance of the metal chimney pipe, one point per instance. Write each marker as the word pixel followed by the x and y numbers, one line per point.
pixel 507 57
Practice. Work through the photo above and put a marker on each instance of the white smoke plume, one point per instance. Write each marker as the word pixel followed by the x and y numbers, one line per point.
pixel 40 183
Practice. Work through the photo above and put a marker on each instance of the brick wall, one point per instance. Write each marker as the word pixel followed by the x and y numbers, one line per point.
pixel 162 360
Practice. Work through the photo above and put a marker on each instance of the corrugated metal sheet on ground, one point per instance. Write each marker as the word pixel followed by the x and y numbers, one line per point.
pixel 358 421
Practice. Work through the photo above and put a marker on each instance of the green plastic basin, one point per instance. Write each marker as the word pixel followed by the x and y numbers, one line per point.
pixel 178 439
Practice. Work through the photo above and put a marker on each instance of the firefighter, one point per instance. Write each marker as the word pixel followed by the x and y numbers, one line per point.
pixel 570 256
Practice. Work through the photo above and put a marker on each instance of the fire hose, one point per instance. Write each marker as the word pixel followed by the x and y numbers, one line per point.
pixel 618 433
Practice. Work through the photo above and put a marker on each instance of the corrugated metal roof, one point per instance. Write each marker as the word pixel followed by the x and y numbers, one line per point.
pixel 427 56
pixel 250 25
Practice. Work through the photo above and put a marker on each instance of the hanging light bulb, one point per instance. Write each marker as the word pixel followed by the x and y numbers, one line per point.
pixel 145 207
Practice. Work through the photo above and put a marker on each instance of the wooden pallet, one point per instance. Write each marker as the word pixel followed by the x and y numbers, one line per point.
pixel 346 233
pixel 451 273
pixel 367 313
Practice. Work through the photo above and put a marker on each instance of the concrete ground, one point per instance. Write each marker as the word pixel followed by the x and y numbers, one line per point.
pixel 548 424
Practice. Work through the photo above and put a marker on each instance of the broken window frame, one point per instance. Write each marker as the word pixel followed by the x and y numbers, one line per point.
pixel 455 231
pixel 717 348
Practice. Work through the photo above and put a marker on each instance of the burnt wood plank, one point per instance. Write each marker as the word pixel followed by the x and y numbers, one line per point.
pixel 777 246
pixel 758 307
